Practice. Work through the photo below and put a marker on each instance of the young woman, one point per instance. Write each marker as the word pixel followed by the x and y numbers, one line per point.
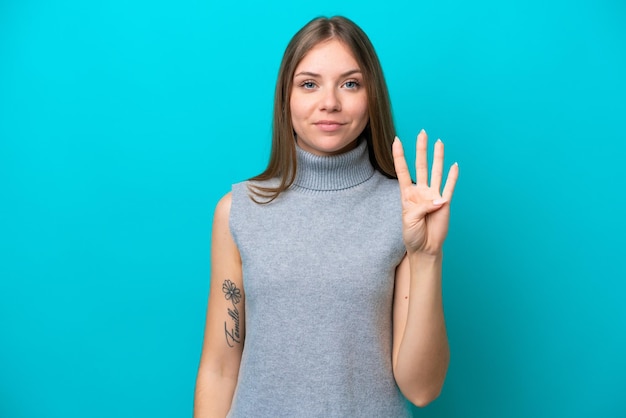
pixel 325 294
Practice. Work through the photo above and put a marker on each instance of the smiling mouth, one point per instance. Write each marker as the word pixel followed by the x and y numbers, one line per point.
pixel 328 125
pixel 328 122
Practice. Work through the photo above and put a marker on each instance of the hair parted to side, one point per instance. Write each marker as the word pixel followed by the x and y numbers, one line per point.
pixel 380 130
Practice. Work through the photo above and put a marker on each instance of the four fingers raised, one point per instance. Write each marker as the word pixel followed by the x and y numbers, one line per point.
pixel 421 167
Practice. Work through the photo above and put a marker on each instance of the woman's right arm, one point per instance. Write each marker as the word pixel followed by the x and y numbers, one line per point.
pixel 225 330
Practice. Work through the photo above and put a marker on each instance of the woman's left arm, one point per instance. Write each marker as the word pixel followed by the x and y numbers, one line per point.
pixel 420 344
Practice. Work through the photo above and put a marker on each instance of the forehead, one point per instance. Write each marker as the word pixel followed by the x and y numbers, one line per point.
pixel 328 56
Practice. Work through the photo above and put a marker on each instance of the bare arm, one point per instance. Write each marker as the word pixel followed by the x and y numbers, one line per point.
pixel 420 350
pixel 225 330
pixel 420 344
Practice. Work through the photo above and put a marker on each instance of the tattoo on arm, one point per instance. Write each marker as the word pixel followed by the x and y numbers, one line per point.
pixel 233 294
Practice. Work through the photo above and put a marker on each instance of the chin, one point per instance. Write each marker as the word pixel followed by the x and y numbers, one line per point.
pixel 326 146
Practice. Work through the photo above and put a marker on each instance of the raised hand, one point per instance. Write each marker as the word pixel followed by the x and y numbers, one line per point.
pixel 425 209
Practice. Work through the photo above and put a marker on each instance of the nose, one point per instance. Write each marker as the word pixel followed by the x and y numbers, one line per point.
pixel 330 101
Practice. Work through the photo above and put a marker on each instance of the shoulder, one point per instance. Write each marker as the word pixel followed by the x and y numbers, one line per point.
pixel 223 205
pixel 222 210
pixel 223 246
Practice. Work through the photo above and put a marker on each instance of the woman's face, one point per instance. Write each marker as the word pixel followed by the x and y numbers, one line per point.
pixel 328 100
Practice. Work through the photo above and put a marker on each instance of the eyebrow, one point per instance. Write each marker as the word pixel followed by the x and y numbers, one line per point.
pixel 311 74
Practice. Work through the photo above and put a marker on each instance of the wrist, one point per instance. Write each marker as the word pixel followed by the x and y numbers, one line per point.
pixel 426 268
pixel 422 258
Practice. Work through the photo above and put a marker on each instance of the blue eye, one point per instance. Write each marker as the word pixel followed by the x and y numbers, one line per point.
pixel 351 84
pixel 308 85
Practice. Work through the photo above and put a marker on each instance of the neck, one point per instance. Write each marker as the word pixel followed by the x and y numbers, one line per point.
pixel 333 172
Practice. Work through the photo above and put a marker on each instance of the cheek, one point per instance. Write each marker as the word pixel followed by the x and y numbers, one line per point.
pixel 359 104
pixel 363 111
pixel 293 110
pixel 298 116
pixel 296 107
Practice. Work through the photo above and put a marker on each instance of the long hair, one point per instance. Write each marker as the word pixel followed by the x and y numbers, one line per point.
pixel 379 131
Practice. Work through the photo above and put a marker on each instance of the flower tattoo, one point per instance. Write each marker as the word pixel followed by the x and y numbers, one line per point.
pixel 230 290
pixel 232 329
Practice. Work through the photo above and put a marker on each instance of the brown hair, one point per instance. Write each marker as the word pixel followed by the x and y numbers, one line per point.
pixel 379 131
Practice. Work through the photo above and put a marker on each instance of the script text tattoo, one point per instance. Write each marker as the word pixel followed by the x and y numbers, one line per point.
pixel 231 325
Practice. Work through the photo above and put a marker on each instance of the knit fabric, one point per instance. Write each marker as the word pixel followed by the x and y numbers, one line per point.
pixel 318 270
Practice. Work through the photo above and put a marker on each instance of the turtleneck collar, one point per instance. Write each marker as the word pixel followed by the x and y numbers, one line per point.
pixel 335 172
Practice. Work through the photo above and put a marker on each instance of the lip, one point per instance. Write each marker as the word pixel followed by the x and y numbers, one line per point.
pixel 328 125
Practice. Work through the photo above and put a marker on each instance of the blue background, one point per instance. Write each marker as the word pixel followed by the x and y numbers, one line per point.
pixel 122 123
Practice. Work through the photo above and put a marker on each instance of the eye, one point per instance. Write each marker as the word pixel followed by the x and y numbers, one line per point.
pixel 308 85
pixel 352 84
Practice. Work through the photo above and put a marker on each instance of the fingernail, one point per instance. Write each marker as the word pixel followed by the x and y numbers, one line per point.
pixel 422 131
pixel 439 140
pixel 396 138
pixel 438 202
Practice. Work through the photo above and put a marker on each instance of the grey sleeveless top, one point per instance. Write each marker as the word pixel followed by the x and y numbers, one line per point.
pixel 318 276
